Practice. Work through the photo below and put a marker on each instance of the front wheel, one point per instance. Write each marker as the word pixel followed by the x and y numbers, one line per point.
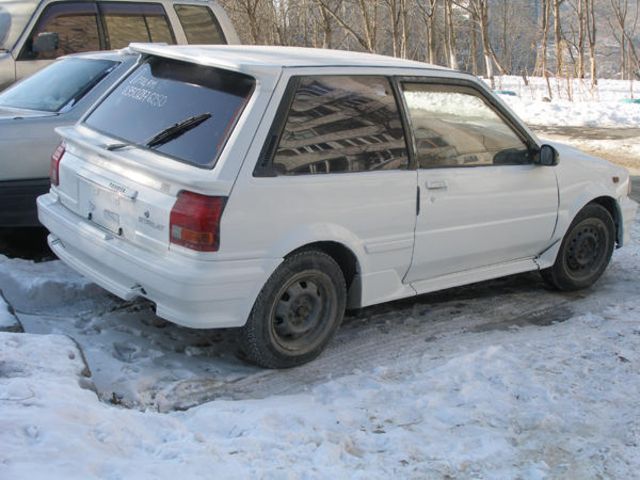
pixel 296 313
pixel 585 250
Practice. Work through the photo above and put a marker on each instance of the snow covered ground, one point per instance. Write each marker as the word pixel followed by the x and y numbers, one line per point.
pixel 618 145
pixel 499 380
pixel 594 120
pixel 601 107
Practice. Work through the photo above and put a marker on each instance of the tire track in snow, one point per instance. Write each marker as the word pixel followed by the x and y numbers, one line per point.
pixel 381 339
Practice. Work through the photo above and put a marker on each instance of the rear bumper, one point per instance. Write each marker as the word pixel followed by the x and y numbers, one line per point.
pixel 18 200
pixel 187 291
pixel 628 209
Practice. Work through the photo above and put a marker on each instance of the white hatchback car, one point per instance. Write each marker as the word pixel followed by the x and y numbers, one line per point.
pixel 270 188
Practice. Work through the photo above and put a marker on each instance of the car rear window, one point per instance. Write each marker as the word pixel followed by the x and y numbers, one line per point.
pixel 59 86
pixel 162 93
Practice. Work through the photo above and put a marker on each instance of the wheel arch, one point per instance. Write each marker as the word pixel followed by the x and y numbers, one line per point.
pixel 566 216
pixel 348 262
pixel 611 205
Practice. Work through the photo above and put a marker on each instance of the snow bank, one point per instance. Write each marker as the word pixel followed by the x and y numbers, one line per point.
pixel 601 107
pixel 559 403
pixel 34 286
pixel 8 321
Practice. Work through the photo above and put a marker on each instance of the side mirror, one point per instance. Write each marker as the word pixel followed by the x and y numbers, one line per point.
pixel 547 156
pixel 46 42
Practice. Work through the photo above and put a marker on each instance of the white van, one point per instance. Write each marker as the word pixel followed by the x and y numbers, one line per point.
pixel 269 188
pixel 34 33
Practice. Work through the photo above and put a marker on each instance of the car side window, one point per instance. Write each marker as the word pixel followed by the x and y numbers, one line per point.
pixel 135 22
pixel 76 25
pixel 339 124
pixel 454 126
pixel 200 25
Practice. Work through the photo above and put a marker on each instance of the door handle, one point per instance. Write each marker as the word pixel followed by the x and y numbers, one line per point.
pixel 436 185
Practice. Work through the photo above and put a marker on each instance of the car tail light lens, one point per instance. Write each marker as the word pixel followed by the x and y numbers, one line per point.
pixel 54 168
pixel 195 221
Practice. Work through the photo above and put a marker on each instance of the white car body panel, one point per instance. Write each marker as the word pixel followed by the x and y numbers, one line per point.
pixel 480 216
pixel 186 291
pixel 508 225
pixel 383 247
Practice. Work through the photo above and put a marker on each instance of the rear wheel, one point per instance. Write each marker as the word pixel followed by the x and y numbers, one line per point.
pixel 296 313
pixel 585 251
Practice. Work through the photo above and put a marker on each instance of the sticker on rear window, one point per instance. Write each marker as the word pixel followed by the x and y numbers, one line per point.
pixel 140 88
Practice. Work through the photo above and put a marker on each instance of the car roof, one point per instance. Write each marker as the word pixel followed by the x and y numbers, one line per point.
pixel 115 55
pixel 256 59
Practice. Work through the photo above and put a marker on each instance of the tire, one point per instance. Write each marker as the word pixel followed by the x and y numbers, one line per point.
pixel 296 313
pixel 585 251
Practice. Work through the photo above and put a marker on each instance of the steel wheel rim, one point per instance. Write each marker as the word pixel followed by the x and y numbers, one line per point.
pixel 302 312
pixel 586 248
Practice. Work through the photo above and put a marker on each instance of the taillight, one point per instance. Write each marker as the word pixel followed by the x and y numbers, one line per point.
pixel 54 167
pixel 195 221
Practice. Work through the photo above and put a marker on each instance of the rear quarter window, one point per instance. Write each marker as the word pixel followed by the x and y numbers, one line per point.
pixel 341 124
pixel 200 24
pixel 135 22
pixel 161 93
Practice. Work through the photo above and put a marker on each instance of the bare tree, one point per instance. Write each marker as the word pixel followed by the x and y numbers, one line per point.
pixel 450 35
pixel 368 11
pixel 396 13
pixel 327 28
pixel 579 32
pixel 487 37
pixel 624 31
pixel 543 52
pixel 557 29
pixel 592 36
pixel 479 11
pixel 249 10
pixel 429 10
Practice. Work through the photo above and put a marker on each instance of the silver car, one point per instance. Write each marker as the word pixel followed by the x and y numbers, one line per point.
pixel 35 32
pixel 30 110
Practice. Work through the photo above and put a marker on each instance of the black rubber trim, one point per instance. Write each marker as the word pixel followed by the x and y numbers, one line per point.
pixel 409 138
pixel 264 167
pixel 487 97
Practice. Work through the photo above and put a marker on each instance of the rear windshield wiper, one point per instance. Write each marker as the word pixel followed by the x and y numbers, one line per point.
pixel 176 130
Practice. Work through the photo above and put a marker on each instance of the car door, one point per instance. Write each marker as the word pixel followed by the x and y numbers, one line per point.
pixel 482 199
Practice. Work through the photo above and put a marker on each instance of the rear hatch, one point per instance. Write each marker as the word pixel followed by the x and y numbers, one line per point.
pixel 149 142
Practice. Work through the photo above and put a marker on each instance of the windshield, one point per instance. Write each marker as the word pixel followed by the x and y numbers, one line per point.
pixel 60 85
pixel 192 107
